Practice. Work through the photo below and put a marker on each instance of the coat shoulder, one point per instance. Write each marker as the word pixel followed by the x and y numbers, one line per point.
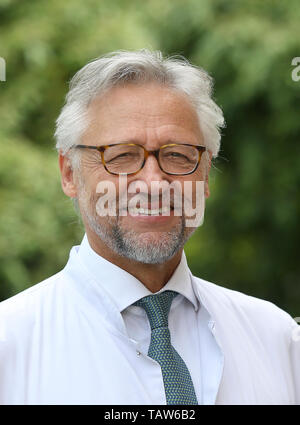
pixel 20 309
pixel 242 305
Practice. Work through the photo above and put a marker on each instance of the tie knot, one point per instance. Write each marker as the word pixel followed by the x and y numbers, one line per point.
pixel 157 308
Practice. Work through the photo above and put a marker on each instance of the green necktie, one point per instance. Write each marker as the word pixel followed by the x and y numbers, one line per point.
pixel 178 383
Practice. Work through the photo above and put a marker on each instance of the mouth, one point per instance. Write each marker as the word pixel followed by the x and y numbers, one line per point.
pixel 150 212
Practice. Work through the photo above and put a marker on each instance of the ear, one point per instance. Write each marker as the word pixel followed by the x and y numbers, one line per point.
pixel 206 186
pixel 67 176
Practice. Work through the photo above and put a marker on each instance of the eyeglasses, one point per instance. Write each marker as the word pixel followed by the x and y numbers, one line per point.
pixel 129 158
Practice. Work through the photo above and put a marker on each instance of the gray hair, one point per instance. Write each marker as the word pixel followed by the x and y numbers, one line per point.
pixel 139 66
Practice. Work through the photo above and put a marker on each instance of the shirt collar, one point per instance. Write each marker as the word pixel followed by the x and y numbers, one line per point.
pixel 123 288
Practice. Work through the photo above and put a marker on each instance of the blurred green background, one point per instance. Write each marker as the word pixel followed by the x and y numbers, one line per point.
pixel 250 237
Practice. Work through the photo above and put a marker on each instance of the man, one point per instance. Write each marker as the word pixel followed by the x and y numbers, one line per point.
pixel 125 322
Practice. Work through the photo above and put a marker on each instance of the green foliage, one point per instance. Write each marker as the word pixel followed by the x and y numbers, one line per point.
pixel 38 224
pixel 249 240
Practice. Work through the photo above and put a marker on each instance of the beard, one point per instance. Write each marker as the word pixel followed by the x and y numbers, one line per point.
pixel 144 247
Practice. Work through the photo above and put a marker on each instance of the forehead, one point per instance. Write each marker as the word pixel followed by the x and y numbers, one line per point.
pixel 142 111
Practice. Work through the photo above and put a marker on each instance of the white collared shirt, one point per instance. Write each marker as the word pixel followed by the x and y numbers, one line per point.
pixel 74 339
pixel 186 334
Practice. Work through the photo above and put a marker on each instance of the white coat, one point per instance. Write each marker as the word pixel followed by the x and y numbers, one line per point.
pixel 58 348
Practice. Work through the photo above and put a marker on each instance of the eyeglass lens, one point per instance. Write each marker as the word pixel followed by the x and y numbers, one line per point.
pixel 175 159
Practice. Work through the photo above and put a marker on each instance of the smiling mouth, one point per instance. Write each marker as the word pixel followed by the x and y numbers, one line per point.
pixel 149 211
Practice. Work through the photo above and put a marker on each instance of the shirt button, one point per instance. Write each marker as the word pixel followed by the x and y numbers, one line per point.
pixel 138 352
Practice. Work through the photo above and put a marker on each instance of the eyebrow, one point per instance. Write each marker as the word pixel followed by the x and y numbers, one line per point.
pixel 138 142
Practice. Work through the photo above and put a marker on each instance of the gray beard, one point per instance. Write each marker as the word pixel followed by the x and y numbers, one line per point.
pixel 135 246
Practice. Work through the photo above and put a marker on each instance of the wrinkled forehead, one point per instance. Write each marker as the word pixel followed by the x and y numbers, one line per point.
pixel 141 111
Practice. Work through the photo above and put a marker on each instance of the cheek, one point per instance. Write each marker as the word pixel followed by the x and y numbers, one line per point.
pixel 200 173
pixel 91 174
pixel 87 191
pixel 194 190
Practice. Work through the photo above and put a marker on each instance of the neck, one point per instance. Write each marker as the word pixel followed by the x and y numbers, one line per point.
pixel 153 276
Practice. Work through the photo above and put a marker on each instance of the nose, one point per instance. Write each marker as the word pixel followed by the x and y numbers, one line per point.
pixel 151 171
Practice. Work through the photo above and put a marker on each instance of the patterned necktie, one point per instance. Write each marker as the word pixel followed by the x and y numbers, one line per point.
pixel 178 383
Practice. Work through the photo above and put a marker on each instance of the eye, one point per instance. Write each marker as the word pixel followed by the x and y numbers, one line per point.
pixel 176 155
pixel 124 156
